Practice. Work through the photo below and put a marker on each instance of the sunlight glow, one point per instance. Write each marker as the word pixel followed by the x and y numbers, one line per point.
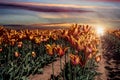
pixel 100 30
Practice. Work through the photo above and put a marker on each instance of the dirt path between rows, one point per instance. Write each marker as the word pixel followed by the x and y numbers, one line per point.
pixel 110 62
pixel 101 65
pixel 47 70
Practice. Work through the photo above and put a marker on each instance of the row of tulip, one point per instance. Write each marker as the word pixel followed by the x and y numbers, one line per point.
pixel 114 37
pixel 115 33
pixel 27 49
pixel 82 46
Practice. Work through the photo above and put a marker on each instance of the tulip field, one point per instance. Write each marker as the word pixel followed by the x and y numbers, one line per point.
pixel 27 52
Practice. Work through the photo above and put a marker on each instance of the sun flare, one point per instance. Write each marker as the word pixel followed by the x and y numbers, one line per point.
pixel 100 30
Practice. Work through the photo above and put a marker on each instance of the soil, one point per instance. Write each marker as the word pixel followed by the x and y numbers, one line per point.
pixel 47 70
pixel 110 62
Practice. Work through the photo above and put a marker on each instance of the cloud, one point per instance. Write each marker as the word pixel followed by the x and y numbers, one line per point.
pixel 42 8
pixel 107 0
pixel 54 16
pixel 69 5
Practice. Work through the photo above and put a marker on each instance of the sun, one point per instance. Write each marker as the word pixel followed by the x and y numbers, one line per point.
pixel 100 30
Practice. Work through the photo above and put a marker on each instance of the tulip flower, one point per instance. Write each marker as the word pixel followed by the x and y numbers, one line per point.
pixel 98 58
pixel 72 41
pixel 20 36
pixel 31 37
pixel 33 54
pixel 16 54
pixel 49 49
pixel 75 59
pixel 37 40
pixel 65 33
pixel 12 42
pixel 1 49
pixel 90 56
pixel 79 45
pixel 20 44
pixel 75 31
pixel 61 51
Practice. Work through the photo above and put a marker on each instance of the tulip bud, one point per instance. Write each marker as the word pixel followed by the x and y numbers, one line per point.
pixel 0 49
pixel 31 37
pixel 60 52
pixel 49 49
pixel 17 54
pixel 19 44
pixel 33 54
pixel 98 58
pixel 75 59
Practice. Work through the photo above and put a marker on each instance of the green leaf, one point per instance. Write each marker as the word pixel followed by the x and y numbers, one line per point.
pixel 10 70
pixel 40 71
pixel 1 78
pixel 24 78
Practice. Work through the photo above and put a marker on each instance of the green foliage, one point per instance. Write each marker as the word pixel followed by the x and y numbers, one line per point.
pixel 19 68
pixel 79 73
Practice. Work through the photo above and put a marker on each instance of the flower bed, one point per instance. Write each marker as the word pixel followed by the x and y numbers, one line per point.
pixel 25 52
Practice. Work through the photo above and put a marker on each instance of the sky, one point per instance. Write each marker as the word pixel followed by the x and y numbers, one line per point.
pixel 93 12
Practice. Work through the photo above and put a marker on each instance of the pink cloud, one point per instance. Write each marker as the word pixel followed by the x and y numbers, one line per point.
pixel 42 7
pixel 105 0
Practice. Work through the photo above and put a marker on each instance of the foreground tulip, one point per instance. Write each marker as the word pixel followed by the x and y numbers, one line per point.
pixel 90 56
pixel 61 51
pixel 72 41
pixel 50 49
pixel 75 59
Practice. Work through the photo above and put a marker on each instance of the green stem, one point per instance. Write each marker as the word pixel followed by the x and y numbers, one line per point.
pixel 9 52
pixel 60 64
pixel 70 78
pixel 65 59
pixel 74 72
pixel 65 69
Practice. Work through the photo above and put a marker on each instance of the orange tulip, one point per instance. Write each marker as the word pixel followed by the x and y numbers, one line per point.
pixel 0 49
pixel 75 59
pixel 12 42
pixel 54 37
pixel 31 37
pixel 17 54
pixel 61 51
pixel 88 49
pixel 79 46
pixel 98 58
pixel 20 44
pixel 37 40
pixel 20 36
pixel 49 49
pixel 90 56
pixel 72 41
pixel 75 32
pixel 65 33
pixel 33 54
